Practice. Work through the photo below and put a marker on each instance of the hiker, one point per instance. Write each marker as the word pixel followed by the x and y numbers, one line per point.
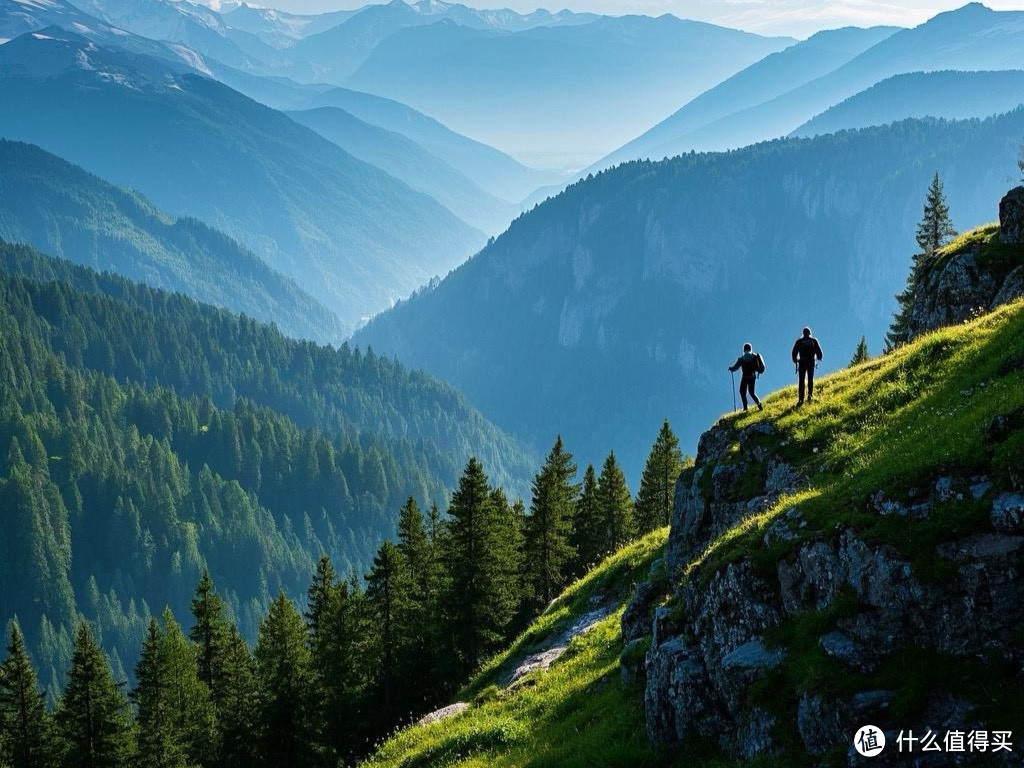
pixel 806 353
pixel 752 364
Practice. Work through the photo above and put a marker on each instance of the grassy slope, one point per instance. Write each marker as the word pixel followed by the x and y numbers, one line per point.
pixel 894 423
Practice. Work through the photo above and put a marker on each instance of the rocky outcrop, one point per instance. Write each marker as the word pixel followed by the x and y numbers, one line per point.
pixel 981 276
pixel 726 657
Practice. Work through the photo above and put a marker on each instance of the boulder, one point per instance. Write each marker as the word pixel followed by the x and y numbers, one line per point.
pixel 1011 217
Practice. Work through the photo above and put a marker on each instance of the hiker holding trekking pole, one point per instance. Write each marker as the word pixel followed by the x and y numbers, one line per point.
pixel 806 354
pixel 752 365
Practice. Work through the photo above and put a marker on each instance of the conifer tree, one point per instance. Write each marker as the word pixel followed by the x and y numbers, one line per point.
pixel 549 553
pixel 26 737
pixel 160 743
pixel 616 505
pixel 287 712
pixel 861 354
pixel 210 634
pixel 479 601
pixel 656 496
pixel 934 230
pixel 238 706
pixel 193 712
pixel 588 538
pixel 93 719
pixel 387 595
pixel 421 558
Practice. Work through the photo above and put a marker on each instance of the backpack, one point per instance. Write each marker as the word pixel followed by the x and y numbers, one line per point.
pixel 760 363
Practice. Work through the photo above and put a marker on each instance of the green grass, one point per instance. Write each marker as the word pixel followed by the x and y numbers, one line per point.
pixel 577 714
pixel 897 423
pixel 991 252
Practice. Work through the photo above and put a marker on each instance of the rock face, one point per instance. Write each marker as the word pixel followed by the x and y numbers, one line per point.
pixel 1011 217
pixel 712 668
pixel 966 284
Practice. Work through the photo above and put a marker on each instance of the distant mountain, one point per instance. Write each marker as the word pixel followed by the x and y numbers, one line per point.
pixel 565 93
pixel 280 28
pixel 406 160
pixel 337 52
pixel 771 76
pixel 953 95
pixel 622 300
pixel 348 233
pixel 496 172
pixel 971 38
pixel 60 208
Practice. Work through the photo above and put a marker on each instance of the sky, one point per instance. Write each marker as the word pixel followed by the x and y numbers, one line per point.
pixel 798 18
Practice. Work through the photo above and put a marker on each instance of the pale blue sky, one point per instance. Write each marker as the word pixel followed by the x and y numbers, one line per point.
pixel 791 17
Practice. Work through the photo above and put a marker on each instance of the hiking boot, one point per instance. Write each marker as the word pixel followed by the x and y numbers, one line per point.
pixel 760 406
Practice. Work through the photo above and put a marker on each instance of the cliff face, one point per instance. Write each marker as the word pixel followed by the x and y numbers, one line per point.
pixel 981 271
pixel 859 562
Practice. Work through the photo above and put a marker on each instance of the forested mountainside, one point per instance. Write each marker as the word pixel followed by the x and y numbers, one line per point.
pixel 406 160
pixel 629 294
pixel 61 209
pixel 147 437
pixel 346 232
pixel 948 94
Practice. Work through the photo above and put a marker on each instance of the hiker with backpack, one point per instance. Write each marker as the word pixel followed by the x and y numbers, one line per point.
pixel 752 365
pixel 806 354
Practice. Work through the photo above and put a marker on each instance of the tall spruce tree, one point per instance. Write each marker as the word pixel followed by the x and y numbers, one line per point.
pixel 160 743
pixel 861 353
pixel 287 687
pixel 237 710
pixel 616 504
pixel 480 600
pixel 656 496
pixel 588 537
pixel 26 735
pixel 424 569
pixel 933 231
pixel 93 720
pixel 193 711
pixel 210 633
pixel 549 553
pixel 387 596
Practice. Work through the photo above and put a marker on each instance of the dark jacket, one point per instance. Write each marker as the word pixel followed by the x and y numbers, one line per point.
pixel 748 362
pixel 806 350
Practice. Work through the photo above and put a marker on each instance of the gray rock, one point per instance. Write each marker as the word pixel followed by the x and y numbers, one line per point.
pixel 443 713
pixel 980 489
pixel 753 655
pixel 1008 512
pixel 636 618
pixel 753 735
pixel 1011 217
pixel 1011 290
pixel 843 648
pixel 819 724
pixel 945 489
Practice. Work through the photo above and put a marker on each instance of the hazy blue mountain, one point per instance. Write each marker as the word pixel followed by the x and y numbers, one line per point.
pixel 496 172
pixel 406 160
pixel 195 26
pixel 949 94
pixel 560 93
pixel 280 28
pixel 348 233
pixel 275 92
pixel 337 52
pixel 971 38
pixel 56 206
pixel 622 300
pixel 771 76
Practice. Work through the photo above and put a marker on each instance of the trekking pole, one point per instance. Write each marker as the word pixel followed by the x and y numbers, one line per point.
pixel 733 375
